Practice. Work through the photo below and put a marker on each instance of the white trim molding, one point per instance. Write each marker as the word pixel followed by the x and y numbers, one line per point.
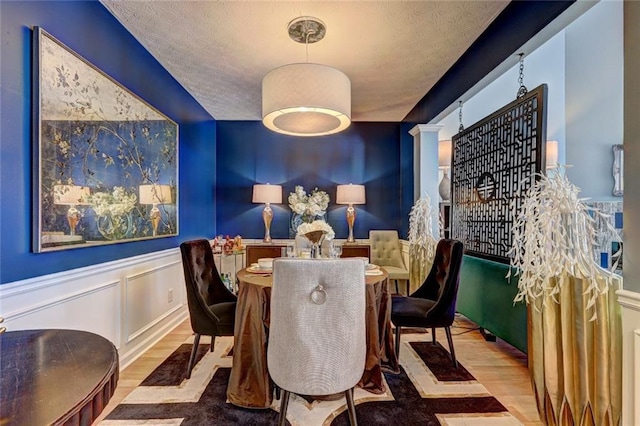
pixel 630 307
pixel 133 302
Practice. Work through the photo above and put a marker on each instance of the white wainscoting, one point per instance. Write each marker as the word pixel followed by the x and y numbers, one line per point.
pixel 133 302
pixel 630 304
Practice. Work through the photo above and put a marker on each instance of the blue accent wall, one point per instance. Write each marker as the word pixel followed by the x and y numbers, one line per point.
pixel 89 29
pixel 366 153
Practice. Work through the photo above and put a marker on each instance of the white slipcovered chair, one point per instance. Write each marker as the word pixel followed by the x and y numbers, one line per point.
pixel 386 251
pixel 317 337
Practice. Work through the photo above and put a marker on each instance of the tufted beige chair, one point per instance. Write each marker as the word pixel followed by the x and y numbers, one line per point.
pixel 317 337
pixel 386 251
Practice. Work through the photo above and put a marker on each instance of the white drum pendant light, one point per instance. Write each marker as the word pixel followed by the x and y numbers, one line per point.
pixel 306 99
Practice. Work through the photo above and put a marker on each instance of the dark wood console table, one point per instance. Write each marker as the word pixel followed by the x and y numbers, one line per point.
pixel 60 377
pixel 355 250
pixel 259 251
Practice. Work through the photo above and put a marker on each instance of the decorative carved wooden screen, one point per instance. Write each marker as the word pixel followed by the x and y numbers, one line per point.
pixel 493 162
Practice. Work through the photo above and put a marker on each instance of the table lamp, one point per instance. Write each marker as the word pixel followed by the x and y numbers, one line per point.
pixel 444 163
pixel 70 195
pixel 155 194
pixel 267 194
pixel 350 194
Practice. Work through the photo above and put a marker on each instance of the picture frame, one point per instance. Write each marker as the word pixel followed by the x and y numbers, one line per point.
pixel 618 170
pixel 105 162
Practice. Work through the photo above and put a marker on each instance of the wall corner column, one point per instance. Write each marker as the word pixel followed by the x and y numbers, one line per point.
pixel 425 166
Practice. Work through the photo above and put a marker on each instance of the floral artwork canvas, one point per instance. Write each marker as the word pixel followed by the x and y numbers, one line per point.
pixel 106 164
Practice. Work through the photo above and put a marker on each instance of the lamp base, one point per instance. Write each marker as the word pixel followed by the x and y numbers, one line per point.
pixel 267 216
pixel 351 220
pixel 444 189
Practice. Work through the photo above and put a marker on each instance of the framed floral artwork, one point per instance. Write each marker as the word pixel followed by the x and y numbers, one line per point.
pixel 105 161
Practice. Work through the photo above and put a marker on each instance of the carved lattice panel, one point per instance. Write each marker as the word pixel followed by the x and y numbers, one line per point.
pixel 493 161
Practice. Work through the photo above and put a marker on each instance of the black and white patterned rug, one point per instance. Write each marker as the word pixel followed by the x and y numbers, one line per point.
pixel 428 391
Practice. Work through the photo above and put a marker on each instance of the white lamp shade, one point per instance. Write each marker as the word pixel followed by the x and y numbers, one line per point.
pixel 69 194
pixel 350 194
pixel 266 193
pixel 444 153
pixel 306 100
pixel 552 154
pixel 155 194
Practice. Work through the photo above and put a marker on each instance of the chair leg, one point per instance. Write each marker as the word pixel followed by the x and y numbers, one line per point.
pixel 192 358
pixel 283 407
pixel 433 335
pixel 351 406
pixel 277 389
pixel 398 333
pixel 453 352
pixel 397 289
pixel 213 342
pixel 408 288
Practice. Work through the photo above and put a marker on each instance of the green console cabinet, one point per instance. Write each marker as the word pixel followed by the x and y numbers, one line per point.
pixel 485 296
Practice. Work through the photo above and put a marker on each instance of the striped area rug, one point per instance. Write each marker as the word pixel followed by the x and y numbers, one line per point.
pixel 428 391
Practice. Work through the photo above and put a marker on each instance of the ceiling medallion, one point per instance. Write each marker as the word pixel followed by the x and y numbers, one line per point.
pixel 306 29
pixel 306 99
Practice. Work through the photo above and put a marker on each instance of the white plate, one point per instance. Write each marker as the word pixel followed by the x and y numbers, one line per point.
pixel 372 266
pixel 258 270
pixel 374 272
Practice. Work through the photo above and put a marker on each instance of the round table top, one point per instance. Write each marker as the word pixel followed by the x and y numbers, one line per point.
pixel 55 376
pixel 265 279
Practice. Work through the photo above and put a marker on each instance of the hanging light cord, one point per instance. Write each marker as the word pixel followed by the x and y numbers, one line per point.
pixel 461 128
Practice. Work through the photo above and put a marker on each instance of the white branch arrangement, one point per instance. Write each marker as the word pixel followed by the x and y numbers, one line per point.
pixel 554 234
pixel 422 244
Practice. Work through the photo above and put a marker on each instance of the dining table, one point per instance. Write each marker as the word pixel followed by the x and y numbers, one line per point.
pixel 249 383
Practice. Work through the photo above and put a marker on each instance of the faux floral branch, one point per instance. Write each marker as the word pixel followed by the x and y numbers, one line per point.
pixel 422 244
pixel 554 234
pixel 313 204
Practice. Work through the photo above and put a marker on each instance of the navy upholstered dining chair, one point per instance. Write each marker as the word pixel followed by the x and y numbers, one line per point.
pixel 433 305
pixel 212 307
pixel 317 337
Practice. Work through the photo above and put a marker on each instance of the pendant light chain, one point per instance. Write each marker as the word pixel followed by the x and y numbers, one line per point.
pixel 522 90
pixel 461 128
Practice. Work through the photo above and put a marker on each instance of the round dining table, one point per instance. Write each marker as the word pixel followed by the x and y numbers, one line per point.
pixel 249 384
pixel 54 376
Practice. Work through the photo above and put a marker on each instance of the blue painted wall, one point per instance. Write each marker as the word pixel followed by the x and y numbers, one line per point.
pixel 366 153
pixel 89 29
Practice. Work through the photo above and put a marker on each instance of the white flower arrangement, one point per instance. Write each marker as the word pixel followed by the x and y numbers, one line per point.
pixel 114 203
pixel 553 235
pixel 313 204
pixel 317 226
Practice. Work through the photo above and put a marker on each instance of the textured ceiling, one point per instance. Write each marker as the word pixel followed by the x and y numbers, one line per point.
pixel 393 51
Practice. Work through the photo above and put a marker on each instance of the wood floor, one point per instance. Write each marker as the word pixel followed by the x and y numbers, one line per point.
pixel 498 366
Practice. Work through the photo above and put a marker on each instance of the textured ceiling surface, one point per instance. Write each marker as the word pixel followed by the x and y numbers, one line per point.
pixel 393 51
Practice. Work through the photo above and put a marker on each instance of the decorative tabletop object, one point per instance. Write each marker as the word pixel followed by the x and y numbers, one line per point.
pixel 316 232
pixel 305 207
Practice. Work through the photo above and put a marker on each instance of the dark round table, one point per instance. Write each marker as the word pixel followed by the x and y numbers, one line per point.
pixel 61 377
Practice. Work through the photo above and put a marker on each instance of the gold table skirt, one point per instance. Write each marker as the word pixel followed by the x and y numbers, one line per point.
pixel 576 364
